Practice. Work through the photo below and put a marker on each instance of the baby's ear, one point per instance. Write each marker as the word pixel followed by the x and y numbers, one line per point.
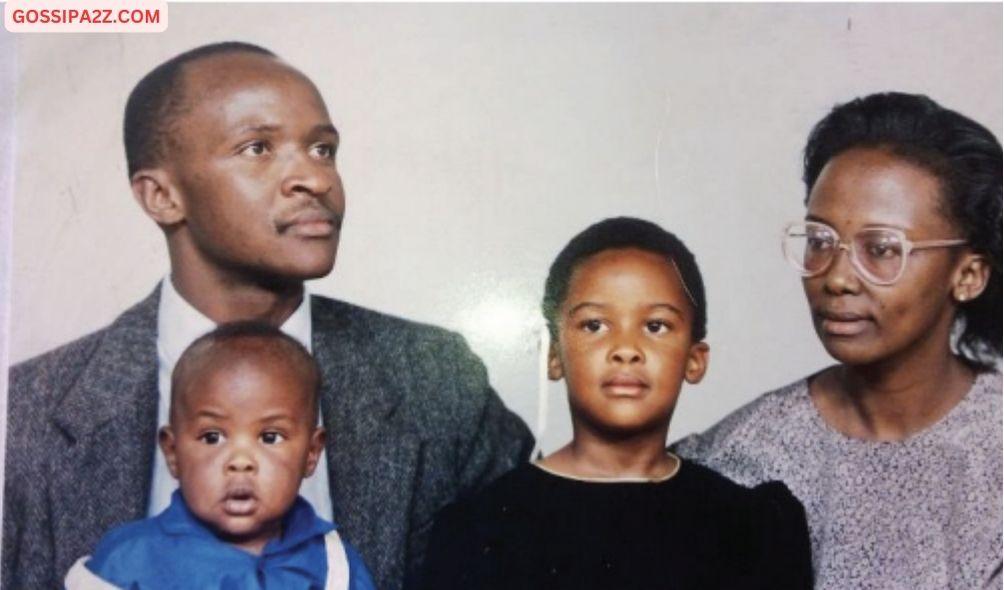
pixel 697 362
pixel 314 450
pixel 168 445
pixel 555 370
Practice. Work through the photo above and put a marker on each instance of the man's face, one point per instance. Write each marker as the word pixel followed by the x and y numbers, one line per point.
pixel 255 172
pixel 240 442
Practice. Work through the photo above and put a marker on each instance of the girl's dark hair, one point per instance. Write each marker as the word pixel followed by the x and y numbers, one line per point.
pixel 963 155
pixel 617 233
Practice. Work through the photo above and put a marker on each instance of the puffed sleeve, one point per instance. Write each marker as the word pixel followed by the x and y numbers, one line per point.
pixel 784 560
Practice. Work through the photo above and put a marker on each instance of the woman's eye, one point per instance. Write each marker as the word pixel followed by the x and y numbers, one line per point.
pixel 656 326
pixel 272 438
pixel 211 438
pixel 883 250
pixel 819 243
pixel 591 326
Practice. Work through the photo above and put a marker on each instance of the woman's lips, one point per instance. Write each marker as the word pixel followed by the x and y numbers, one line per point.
pixel 624 385
pixel 843 323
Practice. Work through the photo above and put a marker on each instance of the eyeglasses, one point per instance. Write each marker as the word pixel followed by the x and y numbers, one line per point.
pixel 878 254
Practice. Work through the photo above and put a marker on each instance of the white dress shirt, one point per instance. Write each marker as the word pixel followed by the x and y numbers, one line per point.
pixel 178 325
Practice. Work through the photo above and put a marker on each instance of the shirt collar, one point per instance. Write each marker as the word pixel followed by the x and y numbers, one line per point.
pixel 179 323
pixel 300 524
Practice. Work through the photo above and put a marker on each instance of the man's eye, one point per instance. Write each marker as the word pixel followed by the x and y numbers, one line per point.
pixel 211 438
pixel 656 326
pixel 255 148
pixel 272 438
pixel 324 151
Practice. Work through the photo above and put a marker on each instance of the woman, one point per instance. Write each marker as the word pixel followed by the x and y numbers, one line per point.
pixel 895 451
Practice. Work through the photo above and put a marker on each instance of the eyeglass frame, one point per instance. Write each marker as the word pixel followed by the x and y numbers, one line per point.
pixel 909 246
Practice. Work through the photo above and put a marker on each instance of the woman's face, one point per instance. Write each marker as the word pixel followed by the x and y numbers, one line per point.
pixel 860 323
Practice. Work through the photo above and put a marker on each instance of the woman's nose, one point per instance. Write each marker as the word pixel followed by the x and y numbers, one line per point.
pixel 841 276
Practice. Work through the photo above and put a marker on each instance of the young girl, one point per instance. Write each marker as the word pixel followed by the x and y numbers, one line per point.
pixel 625 306
pixel 896 450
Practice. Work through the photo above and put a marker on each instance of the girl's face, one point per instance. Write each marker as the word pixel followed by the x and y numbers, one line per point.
pixel 624 343
pixel 863 323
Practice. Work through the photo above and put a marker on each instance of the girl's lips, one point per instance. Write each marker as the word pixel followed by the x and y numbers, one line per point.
pixel 625 385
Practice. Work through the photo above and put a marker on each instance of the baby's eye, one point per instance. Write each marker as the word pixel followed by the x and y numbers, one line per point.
pixel 255 148
pixel 325 151
pixel 592 326
pixel 212 437
pixel 657 326
pixel 272 438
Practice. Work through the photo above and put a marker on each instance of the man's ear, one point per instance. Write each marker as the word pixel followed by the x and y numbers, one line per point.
pixel 697 362
pixel 555 371
pixel 314 450
pixel 168 445
pixel 156 194
pixel 971 277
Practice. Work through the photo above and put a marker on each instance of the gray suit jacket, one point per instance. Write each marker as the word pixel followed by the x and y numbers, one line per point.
pixel 412 424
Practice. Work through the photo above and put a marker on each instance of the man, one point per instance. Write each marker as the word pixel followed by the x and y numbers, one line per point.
pixel 232 153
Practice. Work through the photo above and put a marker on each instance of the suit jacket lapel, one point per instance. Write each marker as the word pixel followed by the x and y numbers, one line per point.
pixel 372 451
pixel 102 470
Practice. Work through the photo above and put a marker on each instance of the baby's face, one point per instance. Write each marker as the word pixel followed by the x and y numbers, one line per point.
pixel 241 441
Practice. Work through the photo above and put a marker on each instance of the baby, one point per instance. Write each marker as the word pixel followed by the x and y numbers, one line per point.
pixel 242 435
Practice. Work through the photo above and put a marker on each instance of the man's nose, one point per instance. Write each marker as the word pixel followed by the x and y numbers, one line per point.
pixel 306 174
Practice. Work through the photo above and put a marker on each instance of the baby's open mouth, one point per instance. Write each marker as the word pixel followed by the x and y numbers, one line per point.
pixel 240 501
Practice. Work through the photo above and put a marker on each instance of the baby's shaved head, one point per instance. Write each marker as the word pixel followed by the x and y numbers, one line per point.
pixel 232 344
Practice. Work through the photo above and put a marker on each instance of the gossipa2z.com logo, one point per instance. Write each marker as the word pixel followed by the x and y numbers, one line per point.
pixel 85 16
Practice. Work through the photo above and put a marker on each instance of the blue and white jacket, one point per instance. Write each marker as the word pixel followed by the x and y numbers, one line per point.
pixel 174 550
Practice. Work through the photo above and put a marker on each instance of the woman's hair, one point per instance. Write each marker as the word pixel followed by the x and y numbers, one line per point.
pixel 966 159
pixel 617 233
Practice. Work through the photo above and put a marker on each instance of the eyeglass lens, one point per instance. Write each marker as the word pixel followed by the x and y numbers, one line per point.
pixel 877 252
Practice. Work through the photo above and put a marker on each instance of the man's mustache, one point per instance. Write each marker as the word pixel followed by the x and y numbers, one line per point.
pixel 311 214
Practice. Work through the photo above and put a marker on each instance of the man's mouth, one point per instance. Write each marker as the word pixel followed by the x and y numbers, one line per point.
pixel 625 385
pixel 240 501
pixel 310 223
pixel 843 323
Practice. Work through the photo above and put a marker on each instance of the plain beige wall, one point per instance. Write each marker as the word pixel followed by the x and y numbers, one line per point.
pixel 478 139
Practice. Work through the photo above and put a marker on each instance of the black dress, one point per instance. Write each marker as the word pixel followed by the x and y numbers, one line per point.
pixel 532 529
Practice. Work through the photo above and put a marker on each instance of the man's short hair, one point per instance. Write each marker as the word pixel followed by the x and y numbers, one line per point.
pixel 619 233
pixel 158 100
pixel 252 338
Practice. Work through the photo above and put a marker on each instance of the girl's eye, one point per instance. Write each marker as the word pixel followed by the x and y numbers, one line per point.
pixel 656 326
pixel 272 438
pixel 591 326
pixel 325 151
pixel 255 148
pixel 211 438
